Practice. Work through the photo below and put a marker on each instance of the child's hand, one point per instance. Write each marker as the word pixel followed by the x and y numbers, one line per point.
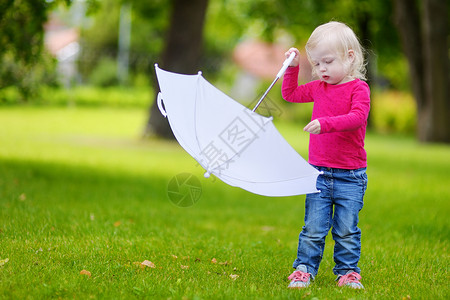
pixel 296 60
pixel 313 127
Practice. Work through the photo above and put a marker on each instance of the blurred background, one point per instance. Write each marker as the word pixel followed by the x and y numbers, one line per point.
pixel 102 53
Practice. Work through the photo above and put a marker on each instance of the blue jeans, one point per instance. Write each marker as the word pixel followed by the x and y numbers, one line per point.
pixel 343 189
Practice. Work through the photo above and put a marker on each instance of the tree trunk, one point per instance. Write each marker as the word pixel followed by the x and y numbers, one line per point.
pixel 435 125
pixel 426 50
pixel 181 54
pixel 407 20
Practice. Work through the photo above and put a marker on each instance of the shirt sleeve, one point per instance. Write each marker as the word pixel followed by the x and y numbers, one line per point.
pixel 291 91
pixel 355 118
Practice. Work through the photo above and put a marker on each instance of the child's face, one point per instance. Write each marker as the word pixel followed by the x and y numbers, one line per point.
pixel 328 65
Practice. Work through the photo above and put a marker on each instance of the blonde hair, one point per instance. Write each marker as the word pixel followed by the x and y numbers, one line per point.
pixel 342 39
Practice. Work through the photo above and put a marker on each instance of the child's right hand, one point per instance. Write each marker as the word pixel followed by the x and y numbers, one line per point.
pixel 296 61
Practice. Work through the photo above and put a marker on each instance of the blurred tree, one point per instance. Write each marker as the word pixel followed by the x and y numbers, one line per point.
pixel 424 34
pixel 23 62
pixel 21 25
pixel 100 38
pixel 21 41
pixel 182 52
pixel 99 41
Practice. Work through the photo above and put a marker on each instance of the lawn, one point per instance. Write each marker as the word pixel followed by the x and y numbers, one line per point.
pixel 84 201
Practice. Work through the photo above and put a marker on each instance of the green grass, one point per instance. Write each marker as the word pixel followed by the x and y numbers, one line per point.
pixel 80 191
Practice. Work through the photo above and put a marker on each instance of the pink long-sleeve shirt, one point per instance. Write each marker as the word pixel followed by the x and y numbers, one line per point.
pixel 342 111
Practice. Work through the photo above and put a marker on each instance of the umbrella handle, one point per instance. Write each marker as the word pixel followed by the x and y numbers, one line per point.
pixel 160 105
pixel 286 64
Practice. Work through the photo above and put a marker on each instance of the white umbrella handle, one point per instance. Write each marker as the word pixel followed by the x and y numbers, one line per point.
pixel 160 105
pixel 286 64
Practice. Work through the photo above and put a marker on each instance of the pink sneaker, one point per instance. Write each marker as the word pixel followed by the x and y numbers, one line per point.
pixel 351 279
pixel 300 278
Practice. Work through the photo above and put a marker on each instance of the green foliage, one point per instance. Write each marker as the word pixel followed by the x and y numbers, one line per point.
pixel 394 111
pixel 105 73
pixel 80 191
pixel 395 70
pixel 21 28
pixel 27 78
pixel 21 37
pixel 99 41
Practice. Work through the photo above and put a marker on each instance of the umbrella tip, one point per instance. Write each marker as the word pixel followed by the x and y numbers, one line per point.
pixel 200 73
pixel 156 65
pixel 207 174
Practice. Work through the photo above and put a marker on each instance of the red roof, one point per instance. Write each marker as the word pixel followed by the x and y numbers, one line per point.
pixel 58 36
pixel 264 60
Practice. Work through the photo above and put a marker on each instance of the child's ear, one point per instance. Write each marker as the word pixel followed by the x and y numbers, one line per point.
pixel 351 56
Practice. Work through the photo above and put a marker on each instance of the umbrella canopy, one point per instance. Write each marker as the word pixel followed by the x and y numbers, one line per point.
pixel 237 145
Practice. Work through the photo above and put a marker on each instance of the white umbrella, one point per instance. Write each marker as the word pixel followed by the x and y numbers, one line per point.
pixel 237 145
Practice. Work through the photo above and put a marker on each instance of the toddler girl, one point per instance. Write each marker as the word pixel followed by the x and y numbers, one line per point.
pixel 338 127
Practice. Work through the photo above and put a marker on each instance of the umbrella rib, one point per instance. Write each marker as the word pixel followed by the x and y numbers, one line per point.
pixel 195 113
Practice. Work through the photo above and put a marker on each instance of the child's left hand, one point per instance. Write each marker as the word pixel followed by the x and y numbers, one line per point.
pixel 313 127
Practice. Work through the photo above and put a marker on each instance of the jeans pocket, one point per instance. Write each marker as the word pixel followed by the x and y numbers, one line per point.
pixel 360 176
